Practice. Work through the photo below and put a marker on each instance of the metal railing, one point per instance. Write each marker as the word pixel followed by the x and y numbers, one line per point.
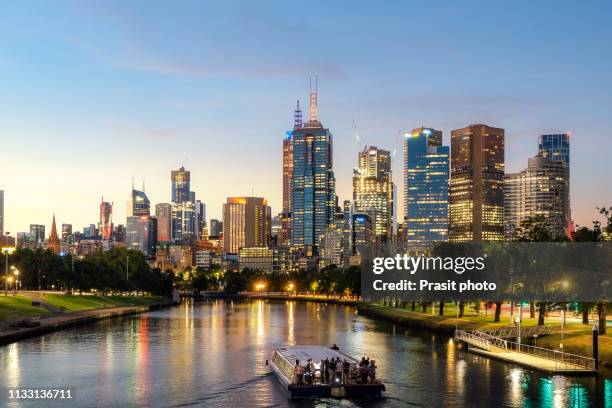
pixel 563 360
pixel 481 339
pixel 529 331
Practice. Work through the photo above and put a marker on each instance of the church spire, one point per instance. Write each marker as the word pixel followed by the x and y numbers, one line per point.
pixel 54 243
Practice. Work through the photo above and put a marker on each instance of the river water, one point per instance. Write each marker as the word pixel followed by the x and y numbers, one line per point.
pixel 213 354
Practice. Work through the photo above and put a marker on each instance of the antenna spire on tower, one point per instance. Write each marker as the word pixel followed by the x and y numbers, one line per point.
pixel 314 117
pixel 297 116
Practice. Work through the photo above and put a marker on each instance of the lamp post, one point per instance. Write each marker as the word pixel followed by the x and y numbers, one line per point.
pixel 518 331
pixel 7 251
pixel 17 281
pixel 9 280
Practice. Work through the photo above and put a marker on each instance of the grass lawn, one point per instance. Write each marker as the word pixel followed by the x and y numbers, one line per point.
pixel 15 307
pixel 74 303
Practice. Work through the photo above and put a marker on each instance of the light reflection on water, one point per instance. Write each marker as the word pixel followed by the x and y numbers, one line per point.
pixel 213 354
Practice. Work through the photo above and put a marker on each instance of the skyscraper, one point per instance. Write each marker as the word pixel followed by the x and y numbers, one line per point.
pixel 200 221
pixel 556 147
pixel 106 220
pixel 246 223
pixel 476 192
pixel 285 233
pixel 66 231
pixel 216 227
pixel 138 204
pixel 180 185
pixel 141 234
pixel 163 213
pixel 54 242
pixel 540 190
pixel 183 205
pixel 426 169
pixel 373 190
pixel 363 237
pixel 312 180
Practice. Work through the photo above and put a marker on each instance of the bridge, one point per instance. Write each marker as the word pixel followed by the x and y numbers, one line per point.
pixel 495 344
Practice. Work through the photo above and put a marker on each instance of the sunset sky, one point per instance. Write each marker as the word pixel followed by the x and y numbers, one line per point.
pixel 95 93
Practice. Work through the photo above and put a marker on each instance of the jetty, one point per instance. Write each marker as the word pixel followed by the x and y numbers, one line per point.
pixel 497 344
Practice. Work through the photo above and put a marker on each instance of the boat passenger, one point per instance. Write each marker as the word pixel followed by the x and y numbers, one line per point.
pixel 324 370
pixel 372 372
pixel 334 347
pixel 298 373
pixel 331 368
pixel 346 366
pixel 338 378
pixel 308 374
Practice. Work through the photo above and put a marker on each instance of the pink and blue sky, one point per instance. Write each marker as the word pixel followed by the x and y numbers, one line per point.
pixel 95 93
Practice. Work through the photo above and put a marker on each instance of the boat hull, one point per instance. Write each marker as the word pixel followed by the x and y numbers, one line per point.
pixel 336 391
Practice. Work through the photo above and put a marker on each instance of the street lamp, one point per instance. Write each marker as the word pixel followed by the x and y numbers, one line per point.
pixel 518 331
pixel 7 251
pixel 16 272
pixel 9 280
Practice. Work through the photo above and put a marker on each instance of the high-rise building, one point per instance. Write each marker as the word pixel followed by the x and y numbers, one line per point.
pixel 1 212
pixel 163 213
pixel 330 246
pixel 105 226
pixel 556 147
pixel 426 170
pixel 285 233
pixel 246 223
pixel 183 206
pixel 180 185
pixel 66 231
pixel 37 234
pixel 373 190
pixel 141 234
pixel 200 213
pixel 347 231
pixel 138 204
pixel 216 227
pixel 540 190
pixel 363 237
pixel 53 243
pixel 312 180
pixel 476 195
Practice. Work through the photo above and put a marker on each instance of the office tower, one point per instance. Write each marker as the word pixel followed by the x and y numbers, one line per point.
pixel 540 190
pixel 180 185
pixel 54 242
pixel 66 231
pixel 330 246
pixel 285 235
pixel 90 231
pixel 105 226
pixel 200 221
pixel 119 233
pixel 556 147
pixel 138 204
pixel 363 237
pixel 37 234
pixel 141 234
pixel 163 213
pixel 476 194
pixel 246 223
pixel 347 231
pixel 1 212
pixel 183 218
pixel 216 227
pixel 312 180
pixel 426 170
pixel 373 190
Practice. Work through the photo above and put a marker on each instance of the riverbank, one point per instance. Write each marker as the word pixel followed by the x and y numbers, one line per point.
pixel 577 338
pixel 57 312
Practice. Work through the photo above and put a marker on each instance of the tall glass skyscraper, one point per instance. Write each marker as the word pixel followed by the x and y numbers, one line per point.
pixel 180 185
pixel 373 190
pixel 555 147
pixel 426 174
pixel 138 204
pixel 183 205
pixel 312 182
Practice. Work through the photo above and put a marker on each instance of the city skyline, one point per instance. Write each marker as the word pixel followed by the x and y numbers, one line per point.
pixel 102 114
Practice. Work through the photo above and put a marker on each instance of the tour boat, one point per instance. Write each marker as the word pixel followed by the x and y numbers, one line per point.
pixel 282 361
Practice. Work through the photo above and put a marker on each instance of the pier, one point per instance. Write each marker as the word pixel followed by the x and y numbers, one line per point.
pixel 495 344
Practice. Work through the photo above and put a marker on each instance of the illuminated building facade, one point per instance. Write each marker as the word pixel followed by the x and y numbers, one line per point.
pixel 180 185
pixel 246 223
pixel 426 174
pixel 476 194
pixel 37 235
pixel 540 190
pixel 373 190
pixel 138 204
pixel 66 231
pixel 105 226
pixel 141 234
pixel 556 147
pixel 363 237
pixel 183 217
pixel 330 247
pixel 312 180
pixel 163 213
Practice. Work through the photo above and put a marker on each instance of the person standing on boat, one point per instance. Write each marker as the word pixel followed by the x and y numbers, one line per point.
pixel 346 366
pixel 372 372
pixel 298 373
pixel 325 370
pixel 308 374
pixel 338 377
pixel 332 370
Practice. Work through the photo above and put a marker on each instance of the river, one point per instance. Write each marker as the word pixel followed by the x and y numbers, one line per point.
pixel 213 354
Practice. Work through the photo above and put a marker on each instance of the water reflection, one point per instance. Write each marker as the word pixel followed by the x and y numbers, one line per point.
pixel 213 354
